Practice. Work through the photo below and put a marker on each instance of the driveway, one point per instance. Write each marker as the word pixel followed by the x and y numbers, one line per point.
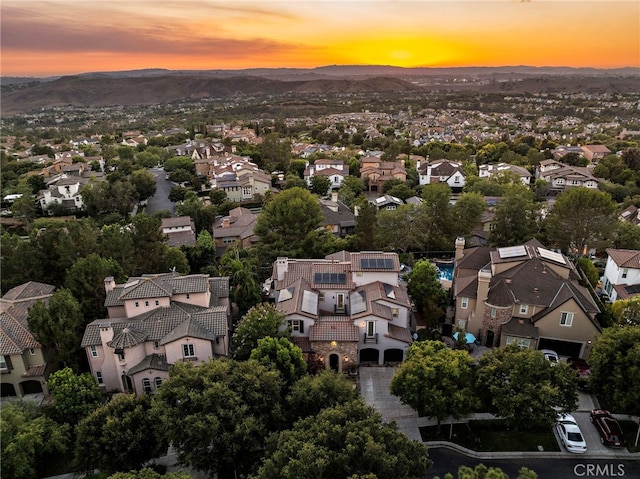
pixel 160 201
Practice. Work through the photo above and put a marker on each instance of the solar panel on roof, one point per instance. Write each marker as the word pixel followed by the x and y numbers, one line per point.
pixel 551 255
pixel 330 278
pixel 376 263
pixel 512 251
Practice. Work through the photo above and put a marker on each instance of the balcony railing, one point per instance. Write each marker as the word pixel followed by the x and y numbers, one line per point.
pixel 371 339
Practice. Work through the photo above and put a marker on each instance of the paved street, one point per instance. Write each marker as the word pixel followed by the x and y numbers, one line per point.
pixel 160 201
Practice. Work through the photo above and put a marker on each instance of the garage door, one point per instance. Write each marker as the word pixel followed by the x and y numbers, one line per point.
pixel 563 348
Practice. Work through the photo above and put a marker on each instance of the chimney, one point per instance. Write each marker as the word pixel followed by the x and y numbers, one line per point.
pixel 334 197
pixel 282 266
pixel 418 165
pixel 459 248
pixel 484 278
pixel 226 222
pixel 109 284
pixel 356 210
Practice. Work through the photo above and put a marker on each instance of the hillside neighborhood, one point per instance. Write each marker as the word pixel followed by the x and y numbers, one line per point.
pixel 231 283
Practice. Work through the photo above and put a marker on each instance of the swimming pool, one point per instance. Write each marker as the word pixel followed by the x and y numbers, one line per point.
pixel 445 271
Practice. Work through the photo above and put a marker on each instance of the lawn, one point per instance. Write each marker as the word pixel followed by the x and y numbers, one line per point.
pixel 492 435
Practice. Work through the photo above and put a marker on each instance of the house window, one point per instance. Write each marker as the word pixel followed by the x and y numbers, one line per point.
pixel 246 191
pixel 4 365
pixel 522 342
pixel 464 303
pixel 188 350
pixel 137 304
pixel 157 303
pixel 158 382
pixel 394 312
pixel 493 312
pixel 32 351
pixel 120 353
pixel 99 377
pixel 321 296
pixel 146 385
pixel 156 345
pixel 188 295
pixel 296 325
pixel 146 303
pixel 492 226
pixel 371 328
pixel 456 179
pixel 524 308
pixel 94 351
pixel 566 319
pixel 625 272
pixel 462 324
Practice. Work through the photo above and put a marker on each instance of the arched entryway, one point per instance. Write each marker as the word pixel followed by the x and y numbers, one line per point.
pixel 490 339
pixel 127 385
pixel 334 362
pixel 31 387
pixel 7 390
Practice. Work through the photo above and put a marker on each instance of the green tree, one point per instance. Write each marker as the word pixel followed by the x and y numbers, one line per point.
pixel 18 261
pixel 366 226
pixel 148 159
pixel 174 259
pixel 627 236
pixel 202 215
pixel 436 381
pixel 144 184
pixel 29 441
pixel 147 473
pixel 288 225
pixel 311 394
pixel 348 440
pixel 627 311
pixel 433 217
pixel 261 321
pixel 59 325
pixel 116 243
pixel 180 163
pixel 521 386
pixel 589 269
pixel 121 435
pixel 275 152
pixel 615 369
pixel 483 472
pixel 466 214
pixel 581 218
pixel 426 291
pixel 242 269
pixel 402 191
pixel 293 181
pixel 219 414
pixel 178 193
pixel 281 355
pixel 85 280
pixel 180 176
pixel 398 230
pixel 75 396
pixel 320 185
pixel 515 218
pixel 149 244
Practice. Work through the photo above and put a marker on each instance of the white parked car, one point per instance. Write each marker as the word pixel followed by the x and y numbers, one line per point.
pixel 551 356
pixel 570 434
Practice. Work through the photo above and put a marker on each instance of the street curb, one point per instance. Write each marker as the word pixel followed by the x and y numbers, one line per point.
pixel 529 454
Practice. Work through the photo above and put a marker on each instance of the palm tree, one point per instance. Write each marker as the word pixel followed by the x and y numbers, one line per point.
pixel 242 270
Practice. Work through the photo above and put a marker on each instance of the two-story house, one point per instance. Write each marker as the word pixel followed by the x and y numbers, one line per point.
pixel 621 279
pixel 494 171
pixel 335 170
pixel 179 230
pixel 562 177
pixel 442 171
pixel 525 294
pixel 235 228
pixel 375 172
pixel 348 308
pixel 594 153
pixel 153 322
pixel 338 218
pixel 24 364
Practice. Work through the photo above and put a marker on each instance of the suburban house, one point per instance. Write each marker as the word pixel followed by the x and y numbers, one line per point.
pixel 386 202
pixel 153 322
pixel 237 176
pixel 526 294
pixel 207 151
pixel 65 188
pixel 180 231
pixel 595 153
pixel 442 171
pixel 621 279
pixel 493 171
pixel 563 150
pixel 236 227
pixel 24 365
pixel 562 177
pixel 333 169
pixel 347 309
pixel 338 218
pixel 374 171
pixel 631 214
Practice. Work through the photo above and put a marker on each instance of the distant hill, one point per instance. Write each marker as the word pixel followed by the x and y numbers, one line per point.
pixel 155 86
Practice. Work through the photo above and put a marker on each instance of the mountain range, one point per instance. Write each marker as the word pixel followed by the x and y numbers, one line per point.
pixel 154 86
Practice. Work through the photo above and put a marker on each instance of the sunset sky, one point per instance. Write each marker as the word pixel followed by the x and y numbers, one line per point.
pixel 75 36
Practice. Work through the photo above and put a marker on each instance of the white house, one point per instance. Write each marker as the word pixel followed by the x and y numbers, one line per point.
pixel 442 171
pixel 621 279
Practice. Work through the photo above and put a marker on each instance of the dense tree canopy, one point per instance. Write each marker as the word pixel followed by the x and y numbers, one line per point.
pixel 521 386
pixel 615 369
pixel 281 355
pixel 74 395
pixel 348 440
pixel 120 436
pixel 261 321
pixel 219 414
pixel 515 218
pixel 242 269
pixel 435 380
pixel 426 291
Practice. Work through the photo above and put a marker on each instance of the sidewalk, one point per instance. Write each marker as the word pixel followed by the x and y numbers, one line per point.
pixel 374 388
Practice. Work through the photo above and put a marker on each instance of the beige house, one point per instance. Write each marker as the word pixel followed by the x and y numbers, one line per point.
pixel 179 230
pixel 24 365
pixel 525 294
pixel 348 308
pixel 376 172
pixel 236 227
pixel 155 321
